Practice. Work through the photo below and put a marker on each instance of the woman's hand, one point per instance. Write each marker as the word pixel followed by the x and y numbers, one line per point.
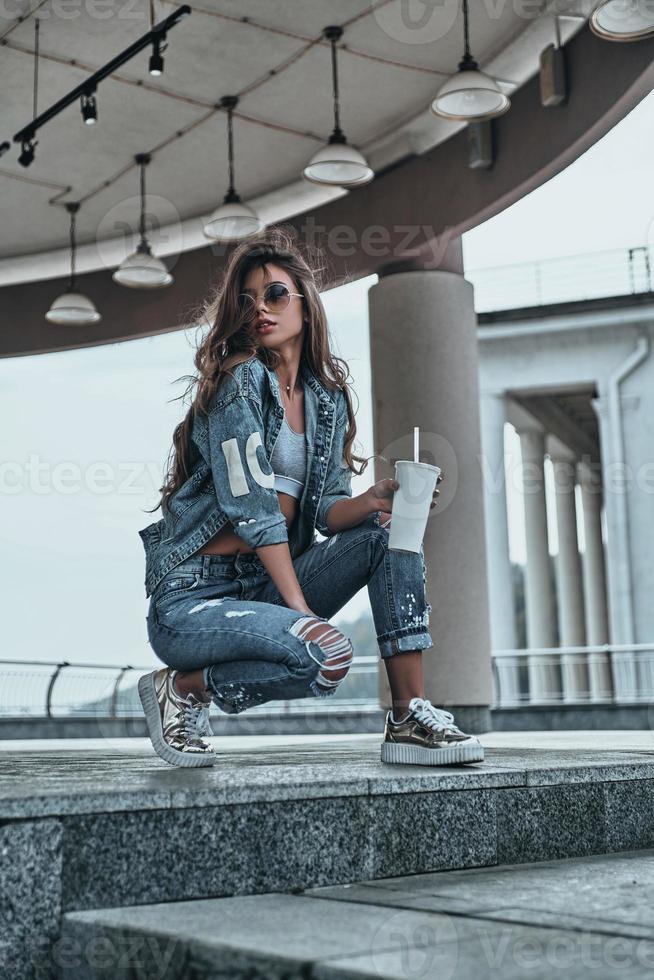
pixel 381 494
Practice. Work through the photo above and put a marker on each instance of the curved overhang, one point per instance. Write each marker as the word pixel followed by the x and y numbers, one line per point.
pixel 411 215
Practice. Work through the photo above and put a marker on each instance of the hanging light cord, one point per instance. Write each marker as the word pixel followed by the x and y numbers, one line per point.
pixel 467 63
pixel 72 210
pixel 230 150
pixel 142 218
pixel 466 30
pixel 36 65
pixel 229 103
pixel 337 108
pixel 142 159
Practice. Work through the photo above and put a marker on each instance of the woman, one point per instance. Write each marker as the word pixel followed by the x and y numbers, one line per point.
pixel 241 590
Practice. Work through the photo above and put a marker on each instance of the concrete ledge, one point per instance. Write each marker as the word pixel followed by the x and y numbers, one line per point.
pixel 126 829
pixel 477 719
pixel 572 717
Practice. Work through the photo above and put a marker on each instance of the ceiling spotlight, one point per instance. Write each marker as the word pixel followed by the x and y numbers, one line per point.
pixel 27 156
pixel 156 60
pixel 233 219
pixel 623 20
pixel 142 269
pixel 337 164
pixel 470 95
pixel 89 108
pixel 72 308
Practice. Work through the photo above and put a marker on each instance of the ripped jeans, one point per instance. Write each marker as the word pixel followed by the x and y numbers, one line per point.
pixel 223 614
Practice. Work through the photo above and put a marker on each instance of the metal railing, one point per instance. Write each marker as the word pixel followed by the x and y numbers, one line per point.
pixel 606 674
pixel 603 674
pixel 593 275
pixel 61 689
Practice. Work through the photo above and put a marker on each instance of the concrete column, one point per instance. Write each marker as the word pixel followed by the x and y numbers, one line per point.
pixel 423 345
pixel 574 669
pixel 500 584
pixel 623 662
pixel 594 582
pixel 540 607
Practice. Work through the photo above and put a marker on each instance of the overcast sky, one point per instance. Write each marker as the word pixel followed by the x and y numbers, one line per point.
pixel 86 433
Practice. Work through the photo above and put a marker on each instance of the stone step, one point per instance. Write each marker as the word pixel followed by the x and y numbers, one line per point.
pixel 116 826
pixel 582 917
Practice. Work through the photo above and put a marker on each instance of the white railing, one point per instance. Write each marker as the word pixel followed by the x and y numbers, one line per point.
pixel 614 272
pixel 605 674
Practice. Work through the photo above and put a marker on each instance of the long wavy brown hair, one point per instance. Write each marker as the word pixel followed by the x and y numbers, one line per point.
pixel 233 339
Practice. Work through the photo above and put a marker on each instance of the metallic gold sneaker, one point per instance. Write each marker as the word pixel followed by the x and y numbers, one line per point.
pixel 175 724
pixel 428 737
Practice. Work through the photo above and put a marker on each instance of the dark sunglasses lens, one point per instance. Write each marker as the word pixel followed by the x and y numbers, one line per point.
pixel 277 297
pixel 246 304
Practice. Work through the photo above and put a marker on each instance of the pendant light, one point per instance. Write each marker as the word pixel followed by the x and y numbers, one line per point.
pixel 142 269
pixel 337 163
pixel 615 20
pixel 470 95
pixel 73 308
pixel 233 219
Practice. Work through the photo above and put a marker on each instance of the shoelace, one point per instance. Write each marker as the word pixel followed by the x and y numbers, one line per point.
pixel 435 718
pixel 195 718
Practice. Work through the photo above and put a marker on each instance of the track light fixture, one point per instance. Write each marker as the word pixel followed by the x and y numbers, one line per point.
pixel 89 108
pixel 156 66
pixel 470 94
pixel 27 154
pixel 337 163
pixel 154 37
pixel 233 219
pixel 142 269
pixel 72 308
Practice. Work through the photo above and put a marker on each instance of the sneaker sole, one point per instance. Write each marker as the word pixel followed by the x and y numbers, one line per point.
pixel 419 755
pixel 150 704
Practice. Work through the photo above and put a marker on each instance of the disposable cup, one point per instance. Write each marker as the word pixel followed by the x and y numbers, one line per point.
pixel 411 503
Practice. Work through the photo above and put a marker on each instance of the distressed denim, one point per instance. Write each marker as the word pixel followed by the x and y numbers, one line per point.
pixel 232 480
pixel 224 614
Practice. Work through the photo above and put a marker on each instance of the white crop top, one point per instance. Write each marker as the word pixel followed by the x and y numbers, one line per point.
pixel 289 460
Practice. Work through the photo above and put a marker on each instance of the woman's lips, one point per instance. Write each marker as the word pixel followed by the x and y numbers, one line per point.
pixel 266 327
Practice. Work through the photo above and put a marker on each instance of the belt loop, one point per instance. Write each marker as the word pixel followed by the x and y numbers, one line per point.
pixel 237 564
pixel 204 574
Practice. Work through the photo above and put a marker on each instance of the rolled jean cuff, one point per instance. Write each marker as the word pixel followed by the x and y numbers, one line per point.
pixel 400 640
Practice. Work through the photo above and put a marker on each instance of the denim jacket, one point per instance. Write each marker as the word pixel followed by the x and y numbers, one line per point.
pixel 231 476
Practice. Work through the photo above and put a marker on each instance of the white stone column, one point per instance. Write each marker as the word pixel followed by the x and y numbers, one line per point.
pixel 594 582
pixel 544 671
pixel 574 669
pixel 500 584
pixel 423 345
pixel 623 662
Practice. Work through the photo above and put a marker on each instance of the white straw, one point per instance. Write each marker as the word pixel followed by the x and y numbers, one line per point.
pixel 416 444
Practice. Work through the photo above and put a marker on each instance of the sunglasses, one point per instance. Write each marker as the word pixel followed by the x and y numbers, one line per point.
pixel 276 297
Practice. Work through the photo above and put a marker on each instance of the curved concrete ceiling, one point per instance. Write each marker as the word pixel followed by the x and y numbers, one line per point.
pixel 420 200
pixel 393 57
